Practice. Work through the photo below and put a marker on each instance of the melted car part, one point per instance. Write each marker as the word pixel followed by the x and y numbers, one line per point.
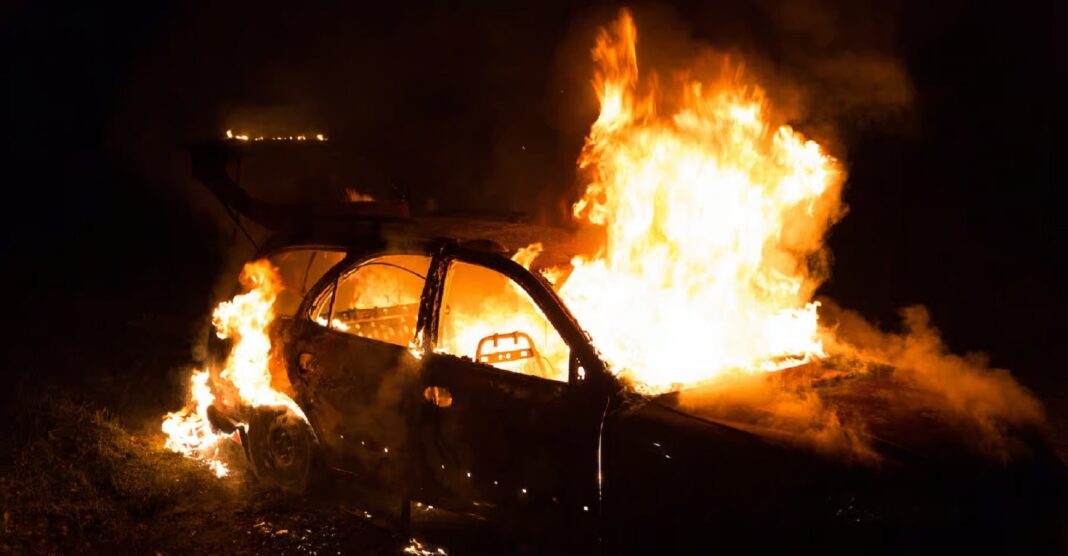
pixel 482 355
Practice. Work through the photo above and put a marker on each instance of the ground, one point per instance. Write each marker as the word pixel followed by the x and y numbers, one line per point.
pixel 82 483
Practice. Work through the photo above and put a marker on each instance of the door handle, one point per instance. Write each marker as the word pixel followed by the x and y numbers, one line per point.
pixel 438 396
pixel 307 362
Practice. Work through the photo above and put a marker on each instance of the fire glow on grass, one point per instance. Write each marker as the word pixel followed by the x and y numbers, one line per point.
pixel 246 375
pixel 714 221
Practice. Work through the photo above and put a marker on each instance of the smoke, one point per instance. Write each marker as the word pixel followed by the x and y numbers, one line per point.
pixel 837 68
pixel 776 408
pixel 830 74
pixel 831 70
pixel 985 403
pixel 905 387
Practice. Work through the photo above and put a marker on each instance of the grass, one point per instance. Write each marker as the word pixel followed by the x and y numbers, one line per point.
pixel 77 481
pixel 73 480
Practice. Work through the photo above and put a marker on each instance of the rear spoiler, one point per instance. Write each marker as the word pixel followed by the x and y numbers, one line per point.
pixel 210 162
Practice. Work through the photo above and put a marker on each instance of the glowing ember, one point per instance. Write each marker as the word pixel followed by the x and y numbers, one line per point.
pixel 355 196
pixel 714 221
pixel 421 548
pixel 300 137
pixel 246 373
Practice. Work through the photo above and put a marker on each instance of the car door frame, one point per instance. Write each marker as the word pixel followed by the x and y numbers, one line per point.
pixel 356 254
pixel 590 387
pixel 583 353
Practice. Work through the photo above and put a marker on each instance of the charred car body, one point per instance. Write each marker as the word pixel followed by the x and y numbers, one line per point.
pixel 431 365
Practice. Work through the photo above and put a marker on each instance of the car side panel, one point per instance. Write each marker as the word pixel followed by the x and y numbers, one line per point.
pixel 676 483
pixel 507 445
pixel 357 394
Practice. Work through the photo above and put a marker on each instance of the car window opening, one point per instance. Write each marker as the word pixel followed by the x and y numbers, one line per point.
pixel 378 299
pixel 488 318
pixel 298 268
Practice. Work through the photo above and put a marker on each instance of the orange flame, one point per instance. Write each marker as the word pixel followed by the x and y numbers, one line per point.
pixel 245 318
pixel 246 137
pixel 188 430
pixel 713 218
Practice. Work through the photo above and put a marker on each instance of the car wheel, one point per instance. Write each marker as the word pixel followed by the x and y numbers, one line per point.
pixel 283 449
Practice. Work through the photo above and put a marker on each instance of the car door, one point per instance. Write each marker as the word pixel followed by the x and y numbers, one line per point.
pixel 351 356
pixel 506 429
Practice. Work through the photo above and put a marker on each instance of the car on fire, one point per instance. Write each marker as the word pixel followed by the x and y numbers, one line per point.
pixel 429 364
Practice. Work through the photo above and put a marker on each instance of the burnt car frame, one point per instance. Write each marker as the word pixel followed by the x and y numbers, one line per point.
pixel 406 409
pixel 583 454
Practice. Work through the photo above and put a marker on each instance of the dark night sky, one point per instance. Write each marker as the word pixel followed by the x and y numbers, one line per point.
pixel 951 197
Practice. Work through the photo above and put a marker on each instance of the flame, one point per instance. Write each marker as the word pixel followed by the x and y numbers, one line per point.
pixel 246 373
pixel 355 196
pixel 246 318
pixel 526 255
pixel 714 221
pixel 421 548
pixel 188 430
pixel 300 137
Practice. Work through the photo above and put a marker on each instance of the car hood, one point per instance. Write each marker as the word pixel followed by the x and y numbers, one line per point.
pixel 873 416
pixel 901 470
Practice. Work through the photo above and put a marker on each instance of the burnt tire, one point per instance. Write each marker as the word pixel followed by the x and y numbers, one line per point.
pixel 283 449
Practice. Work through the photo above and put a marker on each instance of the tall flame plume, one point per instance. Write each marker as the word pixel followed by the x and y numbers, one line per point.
pixel 714 221
pixel 246 375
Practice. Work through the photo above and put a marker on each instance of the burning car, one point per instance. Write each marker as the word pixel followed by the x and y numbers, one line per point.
pixel 680 387
pixel 427 359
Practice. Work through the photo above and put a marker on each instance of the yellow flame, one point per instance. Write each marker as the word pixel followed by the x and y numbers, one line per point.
pixel 189 432
pixel 246 137
pixel 526 255
pixel 246 373
pixel 713 217
pixel 246 319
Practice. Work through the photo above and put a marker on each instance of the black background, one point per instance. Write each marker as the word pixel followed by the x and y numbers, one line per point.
pixel 951 197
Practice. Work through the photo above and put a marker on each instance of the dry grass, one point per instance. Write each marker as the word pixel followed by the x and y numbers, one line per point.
pixel 78 481
pixel 74 481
